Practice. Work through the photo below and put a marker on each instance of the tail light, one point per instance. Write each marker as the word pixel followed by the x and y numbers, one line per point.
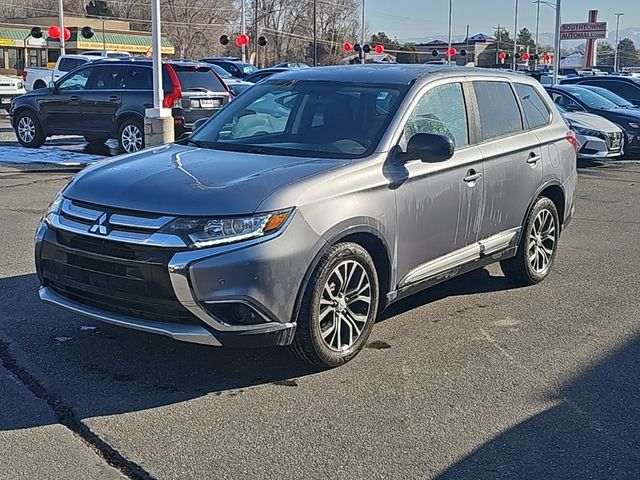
pixel 172 98
pixel 571 138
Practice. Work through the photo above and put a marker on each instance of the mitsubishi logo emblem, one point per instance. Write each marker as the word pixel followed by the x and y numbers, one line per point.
pixel 100 226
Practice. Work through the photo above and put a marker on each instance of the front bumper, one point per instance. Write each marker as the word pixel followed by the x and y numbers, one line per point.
pixel 264 275
pixel 595 148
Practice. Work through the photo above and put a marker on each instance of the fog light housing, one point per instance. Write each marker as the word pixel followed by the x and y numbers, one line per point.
pixel 235 313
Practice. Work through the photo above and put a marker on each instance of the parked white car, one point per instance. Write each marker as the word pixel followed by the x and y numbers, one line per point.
pixel 10 87
pixel 39 77
pixel 597 137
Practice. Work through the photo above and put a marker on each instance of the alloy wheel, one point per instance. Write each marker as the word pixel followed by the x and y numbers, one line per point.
pixel 542 241
pixel 131 138
pixel 345 305
pixel 26 129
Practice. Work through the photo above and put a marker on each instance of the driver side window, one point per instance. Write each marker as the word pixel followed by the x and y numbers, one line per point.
pixel 77 80
pixel 440 111
pixel 565 102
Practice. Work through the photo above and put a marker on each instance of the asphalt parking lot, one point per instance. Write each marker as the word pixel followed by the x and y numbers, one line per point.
pixel 473 379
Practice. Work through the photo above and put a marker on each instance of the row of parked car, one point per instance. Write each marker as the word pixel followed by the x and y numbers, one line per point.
pixel 104 97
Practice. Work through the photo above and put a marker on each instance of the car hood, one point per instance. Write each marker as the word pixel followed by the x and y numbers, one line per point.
pixel 590 121
pixel 181 180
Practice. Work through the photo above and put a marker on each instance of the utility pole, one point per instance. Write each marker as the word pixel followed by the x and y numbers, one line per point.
pixel 315 33
pixel 450 16
pixel 615 57
pixel 255 31
pixel 61 20
pixel 515 38
pixel 498 29
pixel 243 27
pixel 467 45
pixel 556 53
pixel 535 63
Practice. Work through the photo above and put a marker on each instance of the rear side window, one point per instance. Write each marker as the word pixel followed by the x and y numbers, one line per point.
pixel 441 111
pixel 622 89
pixel 499 112
pixel 109 78
pixel 535 109
pixel 68 64
pixel 140 78
pixel 198 79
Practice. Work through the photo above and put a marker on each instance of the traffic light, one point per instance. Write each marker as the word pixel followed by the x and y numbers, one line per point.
pixel 525 56
pixel 242 40
pixel 463 52
pixel 262 41
pixel 517 55
pixel 434 53
pixel 86 32
pixel 536 56
pixel 36 32
pixel 357 47
pixel 366 48
pixel 224 39
pixel 502 56
pixel 452 52
pixel 379 49
pixel 347 47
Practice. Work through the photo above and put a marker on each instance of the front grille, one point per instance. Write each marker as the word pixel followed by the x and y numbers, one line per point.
pixel 130 280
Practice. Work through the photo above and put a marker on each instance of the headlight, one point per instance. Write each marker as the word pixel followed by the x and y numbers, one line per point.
pixel 54 208
pixel 206 232
pixel 587 132
pixel 19 85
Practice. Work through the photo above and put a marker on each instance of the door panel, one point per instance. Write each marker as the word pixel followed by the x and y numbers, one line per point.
pixel 104 99
pixel 61 109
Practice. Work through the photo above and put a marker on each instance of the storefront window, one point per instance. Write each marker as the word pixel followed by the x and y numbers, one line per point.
pixel 33 58
pixel 16 58
pixel 2 61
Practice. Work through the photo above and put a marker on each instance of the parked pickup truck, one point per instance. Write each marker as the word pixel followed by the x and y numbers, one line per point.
pixel 39 77
pixel 10 87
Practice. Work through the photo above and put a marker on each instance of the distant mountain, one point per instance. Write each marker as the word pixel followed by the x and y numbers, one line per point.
pixel 545 38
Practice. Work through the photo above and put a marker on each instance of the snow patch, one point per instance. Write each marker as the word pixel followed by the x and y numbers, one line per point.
pixel 49 155
pixel 87 327
pixel 62 339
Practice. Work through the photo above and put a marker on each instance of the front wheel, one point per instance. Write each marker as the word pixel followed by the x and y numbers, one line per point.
pixel 339 307
pixel 131 135
pixel 538 245
pixel 29 130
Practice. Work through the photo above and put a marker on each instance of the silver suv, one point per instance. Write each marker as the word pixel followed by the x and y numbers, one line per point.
pixel 312 202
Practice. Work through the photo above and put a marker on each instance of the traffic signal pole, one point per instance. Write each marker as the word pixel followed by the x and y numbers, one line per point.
pixel 61 20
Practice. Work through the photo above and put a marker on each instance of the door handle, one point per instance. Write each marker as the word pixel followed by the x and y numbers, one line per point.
pixel 533 158
pixel 114 98
pixel 74 98
pixel 472 176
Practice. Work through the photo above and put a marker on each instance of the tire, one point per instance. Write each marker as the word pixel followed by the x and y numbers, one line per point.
pixel 538 245
pixel 28 130
pixel 131 135
pixel 336 337
pixel 95 140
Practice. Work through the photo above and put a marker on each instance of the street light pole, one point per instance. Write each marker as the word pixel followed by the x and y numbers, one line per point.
pixel 315 38
pixel 615 57
pixel 104 42
pixel 61 20
pixel 243 28
pixel 450 17
pixel 556 53
pixel 537 29
pixel 515 37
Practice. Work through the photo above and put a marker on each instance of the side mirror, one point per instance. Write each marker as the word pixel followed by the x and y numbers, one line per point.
pixel 198 123
pixel 53 86
pixel 429 147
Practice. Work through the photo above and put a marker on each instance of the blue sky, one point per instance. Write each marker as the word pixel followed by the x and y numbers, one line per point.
pixel 419 18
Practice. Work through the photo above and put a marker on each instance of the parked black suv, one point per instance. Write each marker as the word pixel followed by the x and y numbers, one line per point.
pixel 625 87
pixel 107 99
pixel 232 65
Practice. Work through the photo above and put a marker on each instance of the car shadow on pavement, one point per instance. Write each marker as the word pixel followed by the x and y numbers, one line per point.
pixel 476 281
pixel 591 432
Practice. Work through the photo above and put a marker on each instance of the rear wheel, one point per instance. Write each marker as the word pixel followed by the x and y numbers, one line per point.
pixel 131 135
pixel 339 307
pixel 538 245
pixel 29 131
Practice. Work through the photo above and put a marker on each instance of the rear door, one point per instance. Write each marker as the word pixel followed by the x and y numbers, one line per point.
pixel 512 159
pixel 61 109
pixel 103 98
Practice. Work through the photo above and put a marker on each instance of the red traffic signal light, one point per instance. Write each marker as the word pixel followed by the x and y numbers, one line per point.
pixel 242 40
pixel 67 34
pixel 347 47
pixel 54 31
pixel 525 56
pixel 378 49
pixel 502 55
pixel 451 52
pixel 546 57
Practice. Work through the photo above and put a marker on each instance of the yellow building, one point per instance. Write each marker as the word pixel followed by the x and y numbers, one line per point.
pixel 19 50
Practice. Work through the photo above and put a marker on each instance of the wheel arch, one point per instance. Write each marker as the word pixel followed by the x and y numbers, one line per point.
pixel 554 192
pixel 128 115
pixel 369 238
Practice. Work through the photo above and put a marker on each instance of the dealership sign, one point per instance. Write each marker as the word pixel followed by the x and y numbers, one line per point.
pixel 582 31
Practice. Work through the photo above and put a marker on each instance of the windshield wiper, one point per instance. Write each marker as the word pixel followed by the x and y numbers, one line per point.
pixel 197 143
pixel 197 89
pixel 256 150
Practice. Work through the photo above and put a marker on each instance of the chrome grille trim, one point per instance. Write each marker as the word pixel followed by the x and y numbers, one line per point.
pixel 71 210
pixel 129 221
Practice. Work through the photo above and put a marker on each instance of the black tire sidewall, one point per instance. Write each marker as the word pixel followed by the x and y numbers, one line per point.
pixel 543 203
pixel 311 329
pixel 38 137
pixel 131 121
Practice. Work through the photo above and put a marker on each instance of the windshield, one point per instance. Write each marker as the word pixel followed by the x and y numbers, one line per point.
pixel 593 100
pixel 198 79
pixel 304 118
pixel 612 97
pixel 247 68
